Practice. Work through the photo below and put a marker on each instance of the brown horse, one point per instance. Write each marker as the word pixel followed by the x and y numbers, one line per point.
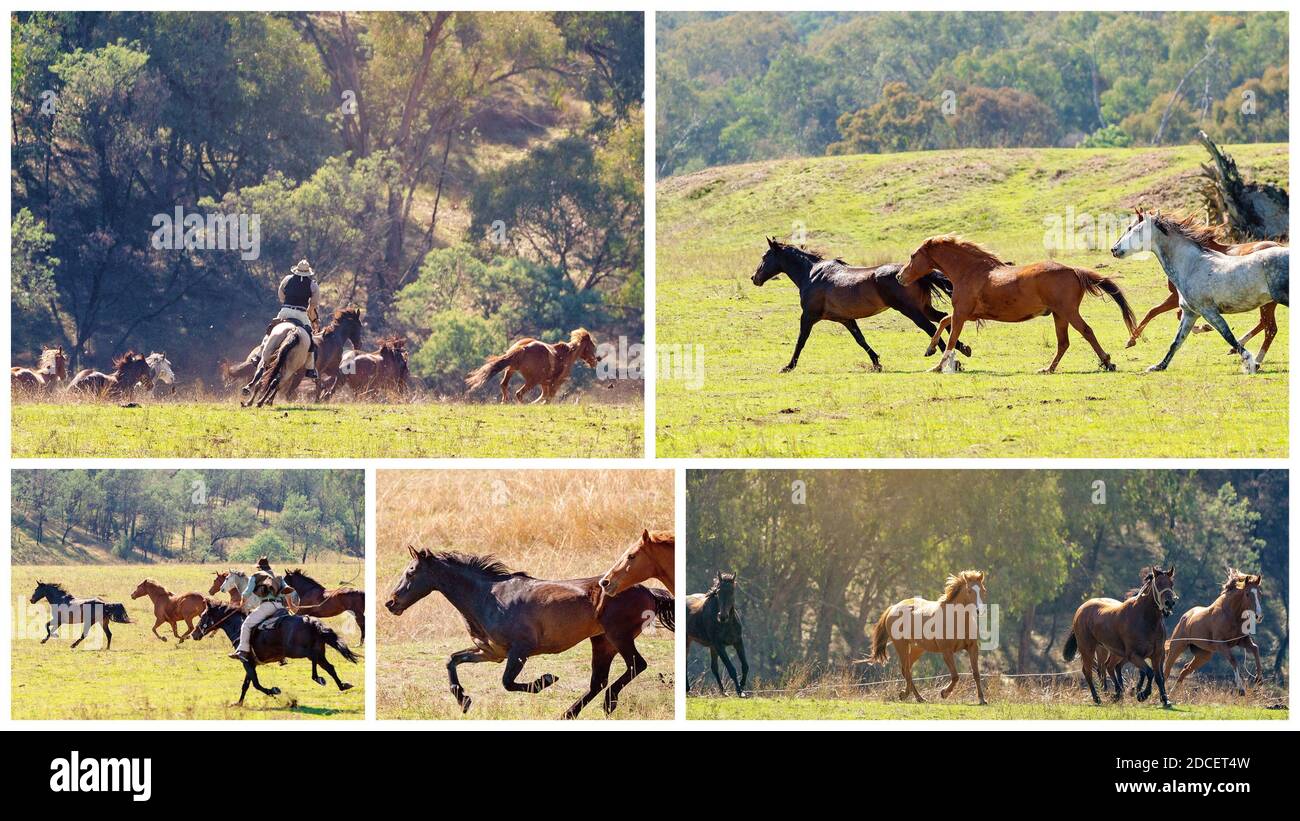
pixel 538 363
pixel 67 609
pixel 513 616
pixel 1129 631
pixel 219 584
pixel 315 600
pixel 344 327
pixel 128 369
pixel 51 369
pixel 833 290
pixel 650 557
pixel 1227 623
pixel 986 288
pixel 169 609
pixel 366 374
pixel 918 626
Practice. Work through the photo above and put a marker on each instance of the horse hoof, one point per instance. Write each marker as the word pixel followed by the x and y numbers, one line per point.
pixel 1109 367
pixel 787 369
pixel 464 705
pixel 344 687
pixel 275 691
pixel 875 366
pixel 1131 343
pixel 319 680
pixel 1155 369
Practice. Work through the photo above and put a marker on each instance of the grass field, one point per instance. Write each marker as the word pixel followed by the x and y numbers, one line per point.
pixel 224 430
pixel 552 524
pixel 144 678
pixel 872 209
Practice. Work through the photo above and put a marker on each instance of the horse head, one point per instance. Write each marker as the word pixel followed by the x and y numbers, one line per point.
pixel 218 582
pixel 772 264
pixel 53 362
pixel 161 368
pixel 214 615
pixel 634 565
pixel 1160 583
pixel 1139 235
pixel 1245 589
pixel 416 582
pixel 130 368
pixel 724 586
pixel 144 588
pixel 967 588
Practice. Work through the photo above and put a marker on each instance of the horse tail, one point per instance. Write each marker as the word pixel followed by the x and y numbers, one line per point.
pixel 117 613
pixel 880 639
pixel 490 368
pixel 276 359
pixel 332 639
pixel 938 286
pixel 1096 284
pixel 1071 647
pixel 665 611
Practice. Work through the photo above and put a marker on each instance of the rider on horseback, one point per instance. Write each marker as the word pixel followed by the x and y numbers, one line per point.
pixel 298 304
pixel 264 596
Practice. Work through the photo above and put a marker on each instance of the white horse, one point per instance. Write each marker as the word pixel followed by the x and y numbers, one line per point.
pixel 161 368
pixel 1209 283
pixel 284 353
pixel 236 580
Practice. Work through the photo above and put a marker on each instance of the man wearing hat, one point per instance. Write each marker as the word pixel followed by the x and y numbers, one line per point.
pixel 298 296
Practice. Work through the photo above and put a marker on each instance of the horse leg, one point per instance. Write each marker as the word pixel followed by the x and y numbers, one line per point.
pixel 250 670
pixel 806 322
pixel 936 339
pixel 739 644
pixel 1226 651
pixel 175 631
pixel 243 690
pixel 329 668
pixel 189 628
pixel 1170 303
pixel 49 630
pixel 1184 328
pixel 108 634
pixel 1259 668
pixel 1269 323
pixel 505 384
pixel 471 656
pixel 1248 363
pixel 974 653
pixel 1200 658
pixel 602 655
pixel 1062 342
pixel 713 665
pixel 906 659
pixel 1084 329
pixel 951 662
pixel 515 666
pixel 85 631
pixel 360 617
pixel 636 664
pixel 316 677
pixel 1086 659
pixel 731 671
pixel 948 364
pixel 852 325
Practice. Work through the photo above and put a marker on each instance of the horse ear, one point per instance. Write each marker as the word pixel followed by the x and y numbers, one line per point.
pixel 645 536
pixel 411 549
pixel 771 243
pixel 1171 571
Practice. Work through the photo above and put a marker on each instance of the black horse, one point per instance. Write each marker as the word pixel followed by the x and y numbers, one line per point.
pixel 67 609
pixel 711 621
pixel 289 637
pixel 832 289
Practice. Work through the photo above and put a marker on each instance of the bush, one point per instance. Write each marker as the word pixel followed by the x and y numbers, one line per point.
pixel 1111 136
pixel 268 543
pixel 457 344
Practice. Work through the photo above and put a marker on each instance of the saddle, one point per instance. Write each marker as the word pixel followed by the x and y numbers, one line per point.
pixel 274 620
pixel 311 334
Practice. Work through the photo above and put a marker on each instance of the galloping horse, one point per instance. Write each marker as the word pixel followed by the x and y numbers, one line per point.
pixel 381 370
pixel 513 616
pixel 169 609
pixel 279 638
pixel 315 600
pixel 831 289
pixel 711 622
pixel 51 369
pixel 160 368
pixel 128 369
pixel 918 626
pixel 1210 284
pixel 650 557
pixel 67 609
pixel 984 287
pixel 344 327
pixel 1129 631
pixel 1227 623
pixel 283 354
pixel 538 363
pixel 231 581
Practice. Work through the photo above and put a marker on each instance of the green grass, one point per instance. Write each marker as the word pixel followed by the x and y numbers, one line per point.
pixel 874 209
pixel 789 709
pixel 411 683
pixel 224 430
pixel 144 678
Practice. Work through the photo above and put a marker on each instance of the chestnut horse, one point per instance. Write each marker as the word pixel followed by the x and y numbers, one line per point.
pixel 128 369
pixel 67 609
pixel 169 609
pixel 232 581
pixel 51 369
pixel 984 287
pixel 513 616
pixel 1227 623
pixel 918 626
pixel 315 600
pixel 650 557
pixel 1129 631
pixel 538 363
pixel 381 370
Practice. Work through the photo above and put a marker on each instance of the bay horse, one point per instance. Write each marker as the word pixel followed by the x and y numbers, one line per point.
pixel 650 557
pixel 984 287
pixel 512 616
pixel 232 582
pixel 129 369
pixel 286 636
pixel 344 327
pixel 1228 622
pixel 833 290
pixel 381 370
pixel 917 626
pixel 169 609
pixel 315 600
pixel 1129 631
pixel 67 609
pixel 712 622
pixel 283 354
pixel 1210 284
pixel 540 364
pixel 51 369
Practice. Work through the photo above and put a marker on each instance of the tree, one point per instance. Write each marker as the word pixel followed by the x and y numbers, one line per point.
pixel 901 121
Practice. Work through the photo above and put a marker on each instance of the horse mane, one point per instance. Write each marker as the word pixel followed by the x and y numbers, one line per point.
pixel 965 245
pixel 663 536
pixel 955 582
pixel 153 583
pixel 49 356
pixel 120 362
pixel 1235 576
pixel 1189 228
pixel 297 571
pixel 717 582
pixel 394 345
pixel 579 336
pixel 55 586
pixel 350 312
pixel 811 254
pixel 486 564
pixel 218 606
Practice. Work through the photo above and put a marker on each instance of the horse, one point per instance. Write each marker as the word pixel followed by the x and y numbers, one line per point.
pixel 1129 631
pixel 512 616
pixel 917 626
pixel 540 364
pixel 344 327
pixel 711 622
pixel 67 609
pixel 286 636
pixel 169 609
pixel 160 368
pixel 1228 622
pixel 384 369
pixel 283 353
pixel 234 374
pixel 833 290
pixel 231 581
pixel 1209 283
pixel 51 369
pixel 650 557
pixel 316 601
pixel 129 369
pixel 984 287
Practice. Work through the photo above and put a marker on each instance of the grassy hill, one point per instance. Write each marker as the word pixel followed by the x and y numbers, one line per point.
pixel 871 209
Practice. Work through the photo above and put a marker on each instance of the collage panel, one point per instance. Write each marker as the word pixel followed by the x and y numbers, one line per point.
pixel 1026 595
pixel 135 592
pixel 525 594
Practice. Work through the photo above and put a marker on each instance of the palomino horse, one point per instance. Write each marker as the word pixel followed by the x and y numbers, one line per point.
pixel 344 328
pixel 1129 631
pixel 230 581
pixel 711 622
pixel 831 289
pixel 538 363
pixel 278 638
pixel 984 287
pixel 1227 623
pixel 51 369
pixel 128 369
pixel 67 609
pixel 918 626
pixel 1210 284
pixel 315 600
pixel 650 557
pixel 283 354
pixel 366 374
pixel 169 609
pixel 512 617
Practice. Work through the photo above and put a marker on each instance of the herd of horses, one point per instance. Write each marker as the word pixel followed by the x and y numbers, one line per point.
pixel 299 633
pixel 1206 279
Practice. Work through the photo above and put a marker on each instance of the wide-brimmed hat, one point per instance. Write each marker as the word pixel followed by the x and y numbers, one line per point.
pixel 303 268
